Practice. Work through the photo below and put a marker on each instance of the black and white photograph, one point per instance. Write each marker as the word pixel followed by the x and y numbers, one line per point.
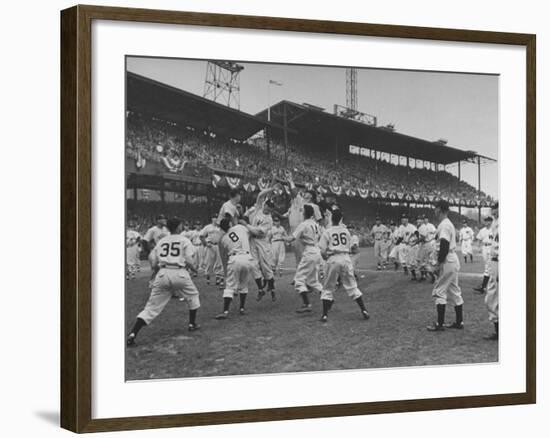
pixel 286 218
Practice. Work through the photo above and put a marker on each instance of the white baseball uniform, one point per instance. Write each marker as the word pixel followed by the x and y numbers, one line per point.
pixel 277 236
pixel 404 232
pixel 213 263
pixel 446 286
pixel 355 255
pixel 336 243
pixel 229 208
pixel 155 234
pixel 260 245
pixel 377 234
pixel 307 272
pixel 466 236
pixel 132 250
pixel 427 246
pixel 235 245
pixel 171 254
pixel 491 297
pixel 485 237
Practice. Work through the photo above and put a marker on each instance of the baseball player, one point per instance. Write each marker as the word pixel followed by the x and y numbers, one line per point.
pixel 278 236
pixel 466 237
pixel 230 208
pixel 335 246
pixel 306 278
pixel 210 237
pixel 155 233
pixel 133 249
pixel 354 253
pixel 413 250
pixel 261 222
pixel 446 286
pixel 172 258
pixel 386 246
pixel 377 233
pixel 295 213
pixel 235 248
pixel 485 239
pixel 394 244
pixel 426 251
pixel 404 233
pixel 491 298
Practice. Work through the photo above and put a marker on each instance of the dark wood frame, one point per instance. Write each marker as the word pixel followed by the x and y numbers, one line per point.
pixel 76 193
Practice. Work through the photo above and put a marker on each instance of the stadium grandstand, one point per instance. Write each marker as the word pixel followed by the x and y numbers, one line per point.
pixel 185 152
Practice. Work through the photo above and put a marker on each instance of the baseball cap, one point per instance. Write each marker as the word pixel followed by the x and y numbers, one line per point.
pixel 161 216
pixel 442 205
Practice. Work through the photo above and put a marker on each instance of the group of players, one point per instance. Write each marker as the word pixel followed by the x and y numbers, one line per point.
pixel 239 245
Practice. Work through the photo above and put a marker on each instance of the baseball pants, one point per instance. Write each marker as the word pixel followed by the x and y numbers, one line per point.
pixel 340 266
pixel 279 252
pixel 378 251
pixel 307 272
pixel 412 257
pixel 239 268
pixel 263 259
pixel 486 254
pixel 491 297
pixel 466 247
pixel 213 261
pixel 169 282
pixel 446 286
pixel 403 253
pixel 425 253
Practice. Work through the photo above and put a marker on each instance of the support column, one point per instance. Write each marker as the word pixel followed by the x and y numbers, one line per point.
pixel 479 186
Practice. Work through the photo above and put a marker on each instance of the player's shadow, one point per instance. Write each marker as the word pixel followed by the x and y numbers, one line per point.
pixel 51 417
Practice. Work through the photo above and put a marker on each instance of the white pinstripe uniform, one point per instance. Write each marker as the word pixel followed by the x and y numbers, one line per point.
pixel 307 272
pixel 235 245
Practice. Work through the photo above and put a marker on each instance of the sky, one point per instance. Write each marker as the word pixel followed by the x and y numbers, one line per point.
pixel 459 107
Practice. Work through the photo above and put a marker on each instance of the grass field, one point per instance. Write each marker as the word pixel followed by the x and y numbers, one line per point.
pixel 272 338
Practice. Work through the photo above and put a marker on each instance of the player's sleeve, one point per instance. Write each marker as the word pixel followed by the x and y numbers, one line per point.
pixel 153 256
pixel 148 235
pixel 298 231
pixel 188 253
pixel 323 242
pixel 317 212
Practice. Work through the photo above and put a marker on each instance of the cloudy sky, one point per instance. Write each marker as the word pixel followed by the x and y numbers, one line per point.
pixel 461 108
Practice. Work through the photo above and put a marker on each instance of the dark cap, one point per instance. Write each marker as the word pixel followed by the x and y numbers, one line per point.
pixel 161 216
pixel 488 219
pixel 495 206
pixel 404 216
pixel 173 223
pixel 442 205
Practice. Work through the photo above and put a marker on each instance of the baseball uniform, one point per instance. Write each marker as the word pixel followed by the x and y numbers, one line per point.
pixel 229 208
pixel 466 239
pixel 260 245
pixel 278 235
pixel 377 234
pixel 446 286
pixel 491 298
pixel 132 252
pixel 235 245
pixel 336 243
pixel 171 254
pixel 307 272
pixel 213 264
pixel 485 237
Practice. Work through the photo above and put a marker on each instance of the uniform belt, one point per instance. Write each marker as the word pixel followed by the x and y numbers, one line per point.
pixel 278 240
pixel 172 267
pixel 231 254
pixel 494 259
pixel 487 244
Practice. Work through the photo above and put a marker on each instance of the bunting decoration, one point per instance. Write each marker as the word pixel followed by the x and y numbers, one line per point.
pixel 173 164
pixel 337 190
pixel 233 182
pixel 364 193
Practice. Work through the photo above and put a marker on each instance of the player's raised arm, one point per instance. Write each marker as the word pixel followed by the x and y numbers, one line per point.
pixel 324 244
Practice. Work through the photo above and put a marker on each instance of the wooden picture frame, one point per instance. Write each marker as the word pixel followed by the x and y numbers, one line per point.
pixel 76 217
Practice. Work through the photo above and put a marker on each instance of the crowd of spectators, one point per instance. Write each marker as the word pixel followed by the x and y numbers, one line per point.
pixel 201 152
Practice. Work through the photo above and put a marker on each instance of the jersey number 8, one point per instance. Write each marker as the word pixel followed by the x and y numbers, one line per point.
pixel 233 236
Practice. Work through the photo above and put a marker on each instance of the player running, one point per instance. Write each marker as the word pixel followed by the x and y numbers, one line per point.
pixel 446 286
pixel 235 248
pixel 335 246
pixel 172 259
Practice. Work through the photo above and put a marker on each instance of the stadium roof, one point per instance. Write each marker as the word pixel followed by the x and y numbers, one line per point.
pixel 165 102
pixel 330 129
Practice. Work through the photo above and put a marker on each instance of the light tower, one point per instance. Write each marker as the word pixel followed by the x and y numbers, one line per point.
pixel 222 83
pixel 351 89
